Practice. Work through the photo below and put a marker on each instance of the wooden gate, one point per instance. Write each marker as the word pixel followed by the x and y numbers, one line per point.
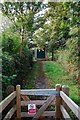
pixel 57 97
pixel 46 97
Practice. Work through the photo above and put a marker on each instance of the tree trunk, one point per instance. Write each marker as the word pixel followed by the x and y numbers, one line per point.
pixel 22 40
pixel 20 50
pixel 52 54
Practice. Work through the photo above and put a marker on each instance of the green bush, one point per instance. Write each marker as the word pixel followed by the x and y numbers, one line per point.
pixel 10 42
pixel 8 65
pixel 23 65
pixel 14 68
pixel 68 57
pixel 8 72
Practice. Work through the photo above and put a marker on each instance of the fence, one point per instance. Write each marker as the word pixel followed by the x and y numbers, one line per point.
pixel 58 97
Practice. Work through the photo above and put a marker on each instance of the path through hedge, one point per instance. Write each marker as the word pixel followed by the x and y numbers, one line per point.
pixel 42 83
pixel 41 79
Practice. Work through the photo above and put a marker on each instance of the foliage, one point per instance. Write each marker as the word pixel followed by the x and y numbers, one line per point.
pixel 68 57
pixel 40 38
pixel 57 70
pixel 57 75
pixel 8 72
pixel 31 78
pixel 17 58
pixel 14 68
pixel 8 64
pixel 56 25
pixel 64 34
pixel 23 65
pixel 10 41
pixel 23 16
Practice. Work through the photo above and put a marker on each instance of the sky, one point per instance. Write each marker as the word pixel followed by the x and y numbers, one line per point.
pixel 1 1
pixel 4 22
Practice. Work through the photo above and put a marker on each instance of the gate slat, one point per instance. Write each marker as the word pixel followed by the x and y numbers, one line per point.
pixel 46 113
pixel 25 97
pixel 64 113
pixel 37 102
pixel 43 92
pixel 43 108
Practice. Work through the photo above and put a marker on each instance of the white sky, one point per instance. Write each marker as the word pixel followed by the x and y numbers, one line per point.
pixel 1 1
pixel 4 22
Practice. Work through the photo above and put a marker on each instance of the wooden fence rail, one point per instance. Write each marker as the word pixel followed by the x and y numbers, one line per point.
pixel 58 97
pixel 73 106
pixel 5 103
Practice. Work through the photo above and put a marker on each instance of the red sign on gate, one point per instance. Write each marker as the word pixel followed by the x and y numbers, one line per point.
pixel 31 109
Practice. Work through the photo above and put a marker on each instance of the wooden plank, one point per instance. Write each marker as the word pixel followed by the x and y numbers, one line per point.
pixel 43 108
pixel 6 101
pixel 37 102
pixel 49 113
pixel 25 97
pixel 73 106
pixel 58 102
pixel 65 89
pixel 10 113
pixel 18 102
pixel 46 113
pixel 64 113
pixel 43 92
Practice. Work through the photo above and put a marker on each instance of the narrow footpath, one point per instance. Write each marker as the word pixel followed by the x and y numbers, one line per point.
pixel 42 83
pixel 41 79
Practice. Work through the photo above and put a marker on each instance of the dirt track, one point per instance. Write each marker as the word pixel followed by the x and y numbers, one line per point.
pixel 41 79
pixel 42 83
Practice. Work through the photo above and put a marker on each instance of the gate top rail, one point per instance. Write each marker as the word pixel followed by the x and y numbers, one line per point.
pixel 43 92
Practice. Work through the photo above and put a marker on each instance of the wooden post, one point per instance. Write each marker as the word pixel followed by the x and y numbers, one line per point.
pixel 9 89
pixel 65 89
pixel 18 102
pixel 58 102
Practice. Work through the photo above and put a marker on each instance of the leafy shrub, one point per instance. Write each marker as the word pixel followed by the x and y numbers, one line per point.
pixel 23 65
pixel 68 57
pixel 14 67
pixel 8 65
pixel 10 42
pixel 8 72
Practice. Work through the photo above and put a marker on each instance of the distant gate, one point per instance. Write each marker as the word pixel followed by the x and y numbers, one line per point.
pixel 40 54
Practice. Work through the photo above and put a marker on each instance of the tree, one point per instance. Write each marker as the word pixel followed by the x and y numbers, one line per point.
pixel 22 15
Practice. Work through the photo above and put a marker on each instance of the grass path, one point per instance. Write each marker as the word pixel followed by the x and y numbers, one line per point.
pixel 41 79
pixel 47 75
pixel 37 78
pixel 57 75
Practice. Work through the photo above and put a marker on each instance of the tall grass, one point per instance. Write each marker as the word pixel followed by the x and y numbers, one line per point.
pixel 57 75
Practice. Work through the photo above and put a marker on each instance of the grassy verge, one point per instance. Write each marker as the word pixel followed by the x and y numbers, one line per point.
pixel 31 78
pixel 57 75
